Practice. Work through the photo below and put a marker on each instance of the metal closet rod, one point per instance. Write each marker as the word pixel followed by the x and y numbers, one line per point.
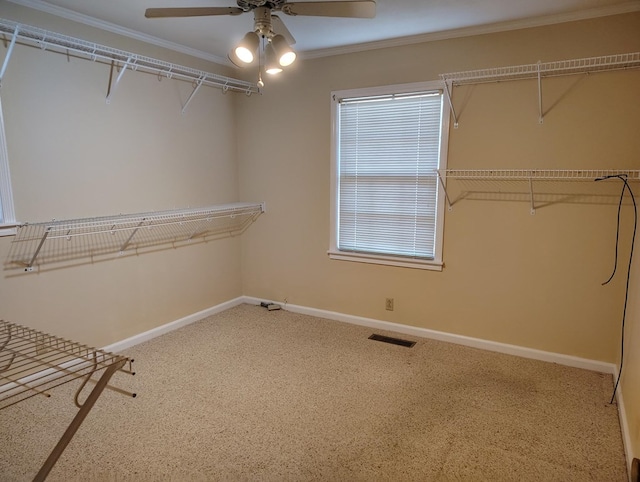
pixel 45 39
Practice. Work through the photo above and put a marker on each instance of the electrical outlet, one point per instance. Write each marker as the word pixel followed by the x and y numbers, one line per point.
pixel 388 304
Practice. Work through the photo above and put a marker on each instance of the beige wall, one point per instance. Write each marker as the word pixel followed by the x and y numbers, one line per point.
pixel 510 277
pixel 72 155
pixel 533 281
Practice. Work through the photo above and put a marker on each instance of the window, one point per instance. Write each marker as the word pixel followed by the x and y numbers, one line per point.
pixel 7 216
pixel 387 144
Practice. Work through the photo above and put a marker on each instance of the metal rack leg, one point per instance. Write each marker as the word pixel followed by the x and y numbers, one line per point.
pixel 77 421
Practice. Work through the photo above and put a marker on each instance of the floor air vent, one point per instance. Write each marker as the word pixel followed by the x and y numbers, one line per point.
pixel 394 341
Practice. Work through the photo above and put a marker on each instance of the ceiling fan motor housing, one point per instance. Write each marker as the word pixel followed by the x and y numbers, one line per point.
pixel 248 5
pixel 262 22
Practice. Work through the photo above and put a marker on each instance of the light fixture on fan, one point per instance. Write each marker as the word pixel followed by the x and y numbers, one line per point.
pixel 272 65
pixel 277 52
pixel 246 49
pixel 276 47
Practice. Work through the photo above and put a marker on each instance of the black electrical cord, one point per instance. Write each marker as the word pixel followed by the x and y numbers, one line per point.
pixel 615 261
pixel 626 186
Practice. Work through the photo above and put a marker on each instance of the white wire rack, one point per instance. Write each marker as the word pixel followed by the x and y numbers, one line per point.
pixel 521 184
pixel 44 39
pixel 32 363
pixel 539 71
pixel 545 69
pixel 539 174
pixel 54 241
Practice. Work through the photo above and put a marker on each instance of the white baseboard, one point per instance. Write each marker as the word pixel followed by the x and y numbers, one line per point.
pixel 174 325
pixel 515 350
pixel 572 361
pixel 624 426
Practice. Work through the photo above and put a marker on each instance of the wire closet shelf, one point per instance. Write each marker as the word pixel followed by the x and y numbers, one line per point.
pixel 537 71
pixel 32 363
pixel 45 39
pixel 545 69
pixel 538 174
pixel 529 181
pixel 53 241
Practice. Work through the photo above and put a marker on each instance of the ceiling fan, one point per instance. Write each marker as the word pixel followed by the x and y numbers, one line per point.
pixel 276 37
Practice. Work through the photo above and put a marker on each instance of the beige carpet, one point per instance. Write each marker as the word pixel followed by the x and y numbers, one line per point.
pixel 275 396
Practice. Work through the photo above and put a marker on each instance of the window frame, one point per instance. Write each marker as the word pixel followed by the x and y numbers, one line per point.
pixel 8 219
pixel 392 260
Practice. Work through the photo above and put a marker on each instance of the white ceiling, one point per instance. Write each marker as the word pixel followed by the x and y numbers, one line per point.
pixel 396 22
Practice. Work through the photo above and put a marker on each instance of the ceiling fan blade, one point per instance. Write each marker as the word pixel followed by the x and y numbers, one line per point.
pixel 355 9
pixel 191 12
pixel 279 27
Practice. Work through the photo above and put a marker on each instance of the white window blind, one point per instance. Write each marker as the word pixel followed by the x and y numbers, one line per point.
pixel 388 153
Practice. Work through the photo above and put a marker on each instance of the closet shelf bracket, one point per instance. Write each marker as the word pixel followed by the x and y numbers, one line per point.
pixel 448 90
pixel 533 207
pixel 540 114
pixel 9 52
pixel 444 189
pixel 35 254
pixel 112 87
pixel 133 233
pixel 194 91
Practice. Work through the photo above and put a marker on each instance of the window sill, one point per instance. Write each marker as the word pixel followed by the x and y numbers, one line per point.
pixel 387 260
pixel 8 229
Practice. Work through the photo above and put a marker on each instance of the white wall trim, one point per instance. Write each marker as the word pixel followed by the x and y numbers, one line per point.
pixel 626 7
pixel 624 427
pixel 171 326
pixel 117 29
pixel 559 358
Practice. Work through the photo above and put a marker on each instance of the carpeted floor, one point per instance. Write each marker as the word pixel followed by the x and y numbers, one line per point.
pixel 274 396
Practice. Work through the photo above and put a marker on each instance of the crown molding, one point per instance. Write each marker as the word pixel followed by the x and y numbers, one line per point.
pixel 113 28
pixel 627 7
